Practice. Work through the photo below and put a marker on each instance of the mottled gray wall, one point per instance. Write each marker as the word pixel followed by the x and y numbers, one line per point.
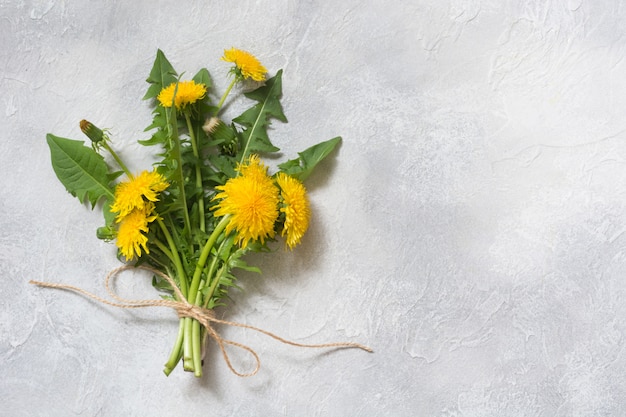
pixel 470 228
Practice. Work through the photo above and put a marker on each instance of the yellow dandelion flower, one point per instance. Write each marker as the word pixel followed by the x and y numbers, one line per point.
pixel 246 64
pixel 296 208
pixel 133 193
pixel 130 236
pixel 188 92
pixel 253 169
pixel 251 199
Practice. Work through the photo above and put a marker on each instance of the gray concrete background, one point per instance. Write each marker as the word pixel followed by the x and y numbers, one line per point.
pixel 470 228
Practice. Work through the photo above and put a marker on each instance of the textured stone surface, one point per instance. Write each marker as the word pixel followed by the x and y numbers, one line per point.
pixel 470 229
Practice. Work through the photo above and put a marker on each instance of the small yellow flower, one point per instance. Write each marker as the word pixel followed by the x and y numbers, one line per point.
pixel 296 208
pixel 246 64
pixel 134 193
pixel 188 92
pixel 253 169
pixel 251 199
pixel 130 239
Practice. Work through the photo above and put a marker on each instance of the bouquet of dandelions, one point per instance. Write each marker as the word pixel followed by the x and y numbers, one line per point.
pixel 208 201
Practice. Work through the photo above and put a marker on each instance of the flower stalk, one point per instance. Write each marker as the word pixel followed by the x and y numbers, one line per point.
pixel 198 172
pixel 226 93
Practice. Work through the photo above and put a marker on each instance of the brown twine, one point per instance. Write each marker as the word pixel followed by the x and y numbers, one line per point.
pixel 185 309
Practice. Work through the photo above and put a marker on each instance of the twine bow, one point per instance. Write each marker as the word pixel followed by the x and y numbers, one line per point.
pixel 185 309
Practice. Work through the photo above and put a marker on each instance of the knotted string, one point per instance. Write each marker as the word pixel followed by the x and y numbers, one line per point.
pixel 185 309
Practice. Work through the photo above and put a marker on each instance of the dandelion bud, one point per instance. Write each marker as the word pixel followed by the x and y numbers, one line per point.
pixel 94 133
pixel 106 233
pixel 211 125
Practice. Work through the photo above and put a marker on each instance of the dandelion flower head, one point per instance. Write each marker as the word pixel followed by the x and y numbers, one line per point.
pixel 135 192
pixel 295 205
pixel 246 64
pixel 251 199
pixel 188 92
pixel 130 236
pixel 253 169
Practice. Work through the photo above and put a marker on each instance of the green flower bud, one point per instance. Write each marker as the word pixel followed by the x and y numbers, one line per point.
pixel 106 233
pixel 94 133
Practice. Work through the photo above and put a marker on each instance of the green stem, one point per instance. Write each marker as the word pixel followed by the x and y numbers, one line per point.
pixel 214 284
pixel 176 351
pixel 214 281
pixel 206 250
pixel 182 277
pixel 163 249
pixel 117 158
pixel 196 329
pixel 188 345
pixel 211 271
pixel 196 153
pixel 193 292
pixel 223 99
pixel 196 342
pixel 180 178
